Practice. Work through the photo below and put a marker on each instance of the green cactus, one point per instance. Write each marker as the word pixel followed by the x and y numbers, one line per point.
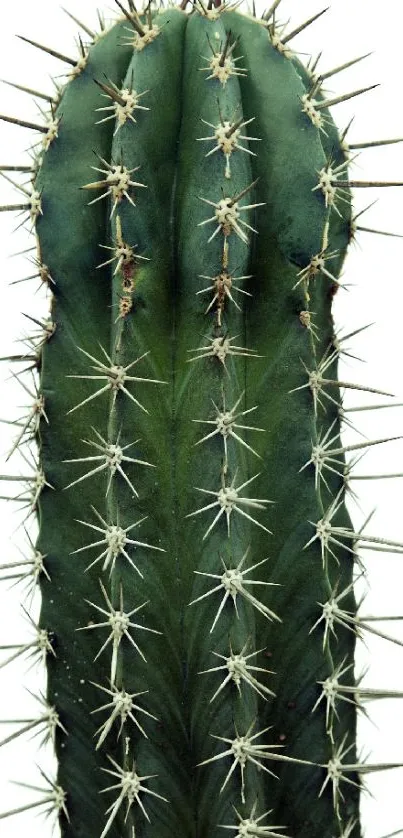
pixel 192 209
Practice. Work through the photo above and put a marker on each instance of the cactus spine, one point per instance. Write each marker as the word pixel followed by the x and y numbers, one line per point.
pixel 191 202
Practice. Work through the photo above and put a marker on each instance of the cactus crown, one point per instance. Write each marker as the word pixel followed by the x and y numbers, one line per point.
pixel 191 204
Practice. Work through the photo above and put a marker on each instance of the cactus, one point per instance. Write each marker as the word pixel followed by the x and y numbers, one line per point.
pixel 191 202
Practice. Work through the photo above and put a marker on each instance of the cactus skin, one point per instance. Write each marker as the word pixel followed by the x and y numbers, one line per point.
pixel 284 327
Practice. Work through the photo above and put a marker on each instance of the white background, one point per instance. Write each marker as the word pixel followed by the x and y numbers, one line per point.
pixel 374 274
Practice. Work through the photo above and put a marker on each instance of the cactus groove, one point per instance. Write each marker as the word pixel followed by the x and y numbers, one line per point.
pixel 192 208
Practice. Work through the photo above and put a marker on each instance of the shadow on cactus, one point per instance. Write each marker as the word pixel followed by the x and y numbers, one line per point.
pixel 192 208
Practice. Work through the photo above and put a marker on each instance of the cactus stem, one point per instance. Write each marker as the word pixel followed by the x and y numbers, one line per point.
pixel 225 423
pixel 251 825
pixel 312 240
pixel 79 23
pixel 122 705
pixel 119 621
pixel 303 26
pixel 239 670
pixel 131 784
pixel 112 455
pixel 115 538
pixel 232 582
pixel 116 376
pixel 53 52
pixel 56 797
pixel 228 500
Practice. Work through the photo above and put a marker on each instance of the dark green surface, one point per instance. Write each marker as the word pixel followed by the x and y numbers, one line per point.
pixel 167 319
